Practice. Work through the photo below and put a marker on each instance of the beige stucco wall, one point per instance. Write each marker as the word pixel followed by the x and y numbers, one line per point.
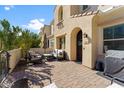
pixel 70 29
pixel 14 58
pixel 95 39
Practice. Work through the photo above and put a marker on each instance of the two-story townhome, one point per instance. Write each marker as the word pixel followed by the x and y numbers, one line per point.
pixel 84 31
pixel 45 32
pixel 51 36
pixel 75 32
pixel 47 36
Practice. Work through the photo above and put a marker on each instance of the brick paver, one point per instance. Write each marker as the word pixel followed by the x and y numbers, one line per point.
pixel 73 75
pixel 69 75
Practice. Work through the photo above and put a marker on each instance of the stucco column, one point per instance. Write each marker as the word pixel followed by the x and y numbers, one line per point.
pixel 55 42
pixel 67 46
pixel 87 43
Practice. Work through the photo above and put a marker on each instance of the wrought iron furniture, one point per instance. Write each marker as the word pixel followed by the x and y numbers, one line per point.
pixel 4 64
pixel 32 57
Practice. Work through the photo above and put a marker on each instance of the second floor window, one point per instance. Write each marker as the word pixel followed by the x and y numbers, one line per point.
pixel 52 30
pixel 83 7
pixel 60 14
pixel 51 43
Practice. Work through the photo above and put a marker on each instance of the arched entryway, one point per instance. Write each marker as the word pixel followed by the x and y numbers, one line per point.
pixel 79 46
pixel 76 44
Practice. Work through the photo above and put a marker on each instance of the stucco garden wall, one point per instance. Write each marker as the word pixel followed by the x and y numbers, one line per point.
pixel 14 58
pixel 41 50
pixel 16 55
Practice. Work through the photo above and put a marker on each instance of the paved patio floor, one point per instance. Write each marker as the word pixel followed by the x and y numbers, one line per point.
pixel 67 74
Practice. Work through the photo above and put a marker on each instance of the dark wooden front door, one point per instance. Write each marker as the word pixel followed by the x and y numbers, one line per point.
pixel 79 46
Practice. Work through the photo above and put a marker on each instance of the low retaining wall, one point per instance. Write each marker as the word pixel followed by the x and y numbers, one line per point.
pixel 41 50
pixel 14 58
pixel 16 55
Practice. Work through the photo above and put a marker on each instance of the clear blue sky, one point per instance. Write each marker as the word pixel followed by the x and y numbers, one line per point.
pixel 28 16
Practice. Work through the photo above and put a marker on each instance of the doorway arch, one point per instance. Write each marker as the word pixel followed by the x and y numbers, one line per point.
pixel 76 44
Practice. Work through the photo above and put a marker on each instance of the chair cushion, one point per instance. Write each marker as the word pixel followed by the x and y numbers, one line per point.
pixel 115 53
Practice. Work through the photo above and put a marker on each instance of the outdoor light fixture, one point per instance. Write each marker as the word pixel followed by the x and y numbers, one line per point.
pixel 86 39
pixel 85 35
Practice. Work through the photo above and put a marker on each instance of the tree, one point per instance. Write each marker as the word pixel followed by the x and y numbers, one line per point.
pixel 16 37
pixel 25 41
pixel 35 40
pixel 5 33
pixel 9 35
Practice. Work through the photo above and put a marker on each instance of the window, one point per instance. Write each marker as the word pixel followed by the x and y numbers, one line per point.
pixel 60 18
pixel 51 43
pixel 62 42
pixel 52 30
pixel 83 8
pixel 114 37
pixel 60 14
pixel 115 44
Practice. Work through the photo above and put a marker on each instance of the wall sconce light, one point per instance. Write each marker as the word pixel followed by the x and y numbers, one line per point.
pixel 85 35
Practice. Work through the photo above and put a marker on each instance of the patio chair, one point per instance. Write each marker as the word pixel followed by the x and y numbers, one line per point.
pixel 4 64
pixel 59 54
pixel 114 68
pixel 34 58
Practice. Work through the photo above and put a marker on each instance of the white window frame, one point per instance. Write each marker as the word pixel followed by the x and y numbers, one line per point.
pixel 110 39
pixel 50 43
